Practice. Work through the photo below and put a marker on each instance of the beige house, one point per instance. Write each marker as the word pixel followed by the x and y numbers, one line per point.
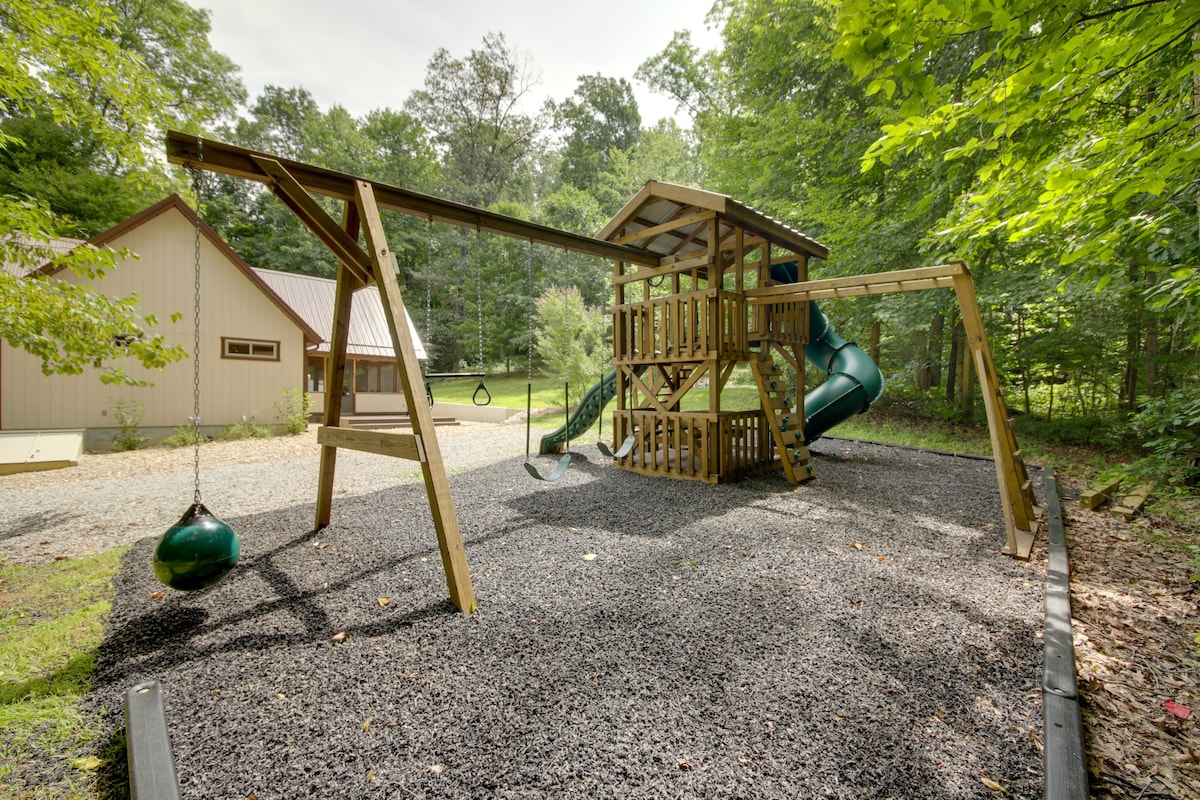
pixel 262 333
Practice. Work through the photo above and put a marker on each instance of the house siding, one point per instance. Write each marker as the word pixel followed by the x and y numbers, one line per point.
pixel 231 306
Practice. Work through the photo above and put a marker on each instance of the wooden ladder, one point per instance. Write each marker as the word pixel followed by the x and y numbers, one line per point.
pixel 787 426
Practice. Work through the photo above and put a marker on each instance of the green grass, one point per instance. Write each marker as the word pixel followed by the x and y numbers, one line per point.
pixel 51 623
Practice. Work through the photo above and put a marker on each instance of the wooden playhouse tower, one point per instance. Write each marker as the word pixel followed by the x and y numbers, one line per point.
pixel 689 322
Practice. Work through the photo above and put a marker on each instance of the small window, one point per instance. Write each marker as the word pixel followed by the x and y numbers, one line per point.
pixel 254 349
pixel 316 374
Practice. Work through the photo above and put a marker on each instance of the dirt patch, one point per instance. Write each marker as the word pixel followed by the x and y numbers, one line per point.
pixel 1135 622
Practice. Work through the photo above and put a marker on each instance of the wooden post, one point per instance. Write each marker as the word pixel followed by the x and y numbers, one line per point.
pixel 1015 490
pixel 335 371
pixel 437 485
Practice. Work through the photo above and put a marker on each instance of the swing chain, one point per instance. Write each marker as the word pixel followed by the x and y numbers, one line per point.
pixel 479 297
pixel 197 186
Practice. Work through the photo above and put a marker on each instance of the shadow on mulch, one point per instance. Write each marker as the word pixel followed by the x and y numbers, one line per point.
pixel 857 637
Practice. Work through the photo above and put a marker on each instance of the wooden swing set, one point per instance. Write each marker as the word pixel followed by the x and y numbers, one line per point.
pixel 707 244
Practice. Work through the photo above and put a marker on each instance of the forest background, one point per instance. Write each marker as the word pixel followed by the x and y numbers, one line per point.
pixel 1053 146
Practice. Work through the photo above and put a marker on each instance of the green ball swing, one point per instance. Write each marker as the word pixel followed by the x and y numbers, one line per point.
pixel 198 550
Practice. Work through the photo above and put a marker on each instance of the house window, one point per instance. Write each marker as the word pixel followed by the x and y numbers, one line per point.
pixel 375 376
pixel 254 349
pixel 316 373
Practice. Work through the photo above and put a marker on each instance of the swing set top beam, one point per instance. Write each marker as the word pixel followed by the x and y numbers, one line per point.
pixel 227 159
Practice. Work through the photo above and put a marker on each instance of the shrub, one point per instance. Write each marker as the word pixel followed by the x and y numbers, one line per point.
pixel 128 417
pixel 184 436
pixel 293 410
pixel 246 429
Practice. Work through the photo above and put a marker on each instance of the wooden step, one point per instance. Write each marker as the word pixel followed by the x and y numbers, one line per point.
pixel 1099 494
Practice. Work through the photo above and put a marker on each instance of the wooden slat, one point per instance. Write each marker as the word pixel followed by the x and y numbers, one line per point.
pixel 1132 502
pixel 433 469
pixel 307 210
pixel 397 445
pixel 669 225
pixel 1099 494
pixel 335 371
pixel 230 160
pixel 906 280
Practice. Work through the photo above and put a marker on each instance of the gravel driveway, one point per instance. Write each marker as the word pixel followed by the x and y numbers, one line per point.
pixel 857 637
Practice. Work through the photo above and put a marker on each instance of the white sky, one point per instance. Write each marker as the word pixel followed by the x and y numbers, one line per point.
pixel 368 54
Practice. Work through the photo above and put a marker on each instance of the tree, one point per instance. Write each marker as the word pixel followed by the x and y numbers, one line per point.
pixel 471 109
pixel 602 116
pixel 1076 119
pixel 1076 124
pixel 60 60
pixel 570 339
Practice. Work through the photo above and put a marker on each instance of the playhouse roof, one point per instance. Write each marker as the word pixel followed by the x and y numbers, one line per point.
pixel 313 299
pixel 658 204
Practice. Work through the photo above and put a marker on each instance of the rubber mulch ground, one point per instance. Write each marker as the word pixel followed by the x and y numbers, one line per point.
pixel 857 637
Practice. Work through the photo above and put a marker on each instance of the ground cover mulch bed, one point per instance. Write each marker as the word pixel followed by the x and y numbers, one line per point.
pixel 858 637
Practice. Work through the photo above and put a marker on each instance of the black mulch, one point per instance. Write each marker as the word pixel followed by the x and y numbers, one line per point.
pixel 857 637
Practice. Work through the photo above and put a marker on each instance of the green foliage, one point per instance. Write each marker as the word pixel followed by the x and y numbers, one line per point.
pixel 128 418
pixel 1074 119
pixel 469 107
pixel 294 408
pixel 571 339
pixel 246 429
pixel 1170 429
pixel 184 436
pixel 601 117
pixel 51 624
pixel 79 68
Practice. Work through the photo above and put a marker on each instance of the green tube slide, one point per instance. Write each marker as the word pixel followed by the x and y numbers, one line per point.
pixel 855 381
pixel 585 414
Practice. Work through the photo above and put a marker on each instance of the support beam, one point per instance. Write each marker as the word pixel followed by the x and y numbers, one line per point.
pixel 382 443
pixel 183 148
pixel 335 370
pixel 433 469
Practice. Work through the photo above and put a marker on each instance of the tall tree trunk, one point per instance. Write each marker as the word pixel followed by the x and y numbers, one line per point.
pixel 937 332
pixel 922 373
pixel 956 346
pixel 1152 346
pixel 1133 337
pixel 873 346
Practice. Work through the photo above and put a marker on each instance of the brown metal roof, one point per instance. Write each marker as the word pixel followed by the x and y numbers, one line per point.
pixel 658 203
pixel 312 298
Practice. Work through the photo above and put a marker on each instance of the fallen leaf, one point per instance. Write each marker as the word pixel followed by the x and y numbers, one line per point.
pixel 366 724
pixel 436 769
pixel 370 775
pixel 158 595
pixel 281 695
pixel 856 545
pixel 991 784
pixel 1183 712
pixel 87 764
pixel 320 545
pixel 684 763
pixel 384 602
pixel 881 558
pixel 589 556
pixel 340 637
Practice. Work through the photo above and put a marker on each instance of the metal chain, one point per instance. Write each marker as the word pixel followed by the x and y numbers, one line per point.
pixel 479 298
pixel 197 185
pixel 529 332
pixel 429 288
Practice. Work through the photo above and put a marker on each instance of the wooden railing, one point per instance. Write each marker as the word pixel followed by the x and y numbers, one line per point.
pixel 785 322
pixel 694 326
pixel 696 445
